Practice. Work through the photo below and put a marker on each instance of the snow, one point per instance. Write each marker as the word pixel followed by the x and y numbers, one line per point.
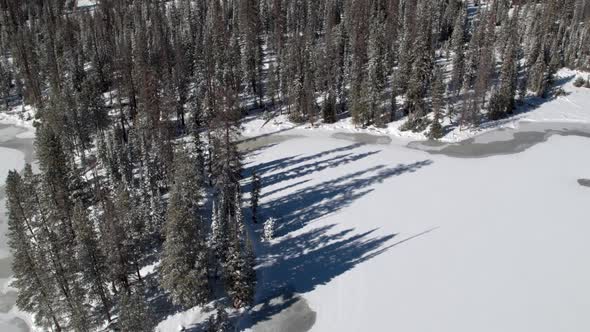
pixel 21 116
pixel 182 320
pixel 377 237
pixel 373 237
pixel 86 3
pixel 382 237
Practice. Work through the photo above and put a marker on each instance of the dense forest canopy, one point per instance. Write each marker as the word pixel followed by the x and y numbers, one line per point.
pixel 138 107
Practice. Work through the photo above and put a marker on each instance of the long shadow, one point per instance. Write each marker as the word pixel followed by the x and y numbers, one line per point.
pixel 309 260
pixel 281 163
pixel 297 264
pixel 310 168
pixel 293 185
pixel 299 208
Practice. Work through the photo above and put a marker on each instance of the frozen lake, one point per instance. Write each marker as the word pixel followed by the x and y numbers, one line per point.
pixel 488 234
pixel 16 148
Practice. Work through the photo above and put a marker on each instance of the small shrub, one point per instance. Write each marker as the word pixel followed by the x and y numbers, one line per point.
pixel 587 85
pixel 415 125
pixel 269 229
pixel 436 131
pixel 560 92
pixel 579 82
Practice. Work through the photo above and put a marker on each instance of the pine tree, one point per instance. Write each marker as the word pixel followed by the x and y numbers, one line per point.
pixel 504 99
pixel 220 322
pixel 134 314
pixel 184 267
pixel 240 277
pixel 269 229
pixel 91 260
pixel 538 77
pixel 37 290
pixel 438 104
pixel 458 45
pixel 255 196
pixel 376 70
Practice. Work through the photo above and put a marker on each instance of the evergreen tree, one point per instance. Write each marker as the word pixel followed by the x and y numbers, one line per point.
pixel 240 277
pixel 134 314
pixel 255 196
pixel 92 261
pixel 37 290
pixel 438 104
pixel 219 322
pixel 458 46
pixel 184 258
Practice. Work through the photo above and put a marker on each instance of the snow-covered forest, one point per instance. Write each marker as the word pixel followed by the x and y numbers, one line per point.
pixel 146 200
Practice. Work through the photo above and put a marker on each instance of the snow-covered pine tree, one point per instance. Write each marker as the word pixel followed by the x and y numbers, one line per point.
pixel 376 69
pixel 92 261
pixel 458 46
pixel 240 276
pixel 220 322
pixel 437 91
pixel 134 314
pixel 37 289
pixel 184 266
pixel 269 229
pixel 255 196
pixel 504 99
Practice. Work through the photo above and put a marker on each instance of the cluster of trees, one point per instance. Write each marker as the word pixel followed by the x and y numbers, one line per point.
pixel 125 177
pixel 138 109
pixel 373 60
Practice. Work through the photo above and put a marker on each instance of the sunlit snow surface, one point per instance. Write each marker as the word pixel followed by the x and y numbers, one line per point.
pixel 382 237
pixel 375 236
pixel 85 3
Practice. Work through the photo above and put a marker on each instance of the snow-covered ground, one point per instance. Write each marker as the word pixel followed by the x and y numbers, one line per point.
pixel 21 116
pixel 379 236
pixel 382 237
pixel 573 107
pixel 375 236
pixel 85 3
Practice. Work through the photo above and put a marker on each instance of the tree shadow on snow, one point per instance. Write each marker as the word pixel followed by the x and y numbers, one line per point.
pixel 301 207
pixel 298 263
pixel 306 261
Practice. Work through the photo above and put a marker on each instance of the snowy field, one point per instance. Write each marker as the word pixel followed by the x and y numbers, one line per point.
pixel 376 236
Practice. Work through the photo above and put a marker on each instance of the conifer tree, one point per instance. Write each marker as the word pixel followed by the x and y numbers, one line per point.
pixel 134 315
pixel 37 290
pixel 255 196
pixel 219 322
pixel 438 104
pixel 184 268
pixel 92 261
